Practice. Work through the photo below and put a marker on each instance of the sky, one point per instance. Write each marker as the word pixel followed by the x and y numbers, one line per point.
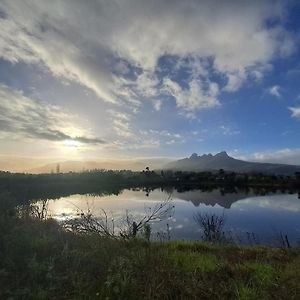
pixel 125 79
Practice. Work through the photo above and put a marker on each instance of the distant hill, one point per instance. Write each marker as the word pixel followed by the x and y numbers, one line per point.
pixel 222 160
pixel 79 166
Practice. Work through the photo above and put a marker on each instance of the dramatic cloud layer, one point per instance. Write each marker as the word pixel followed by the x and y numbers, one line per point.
pixel 115 48
pixel 21 117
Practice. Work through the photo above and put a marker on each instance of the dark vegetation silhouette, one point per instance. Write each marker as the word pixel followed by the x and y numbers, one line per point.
pixel 30 187
pixel 212 226
pixel 213 230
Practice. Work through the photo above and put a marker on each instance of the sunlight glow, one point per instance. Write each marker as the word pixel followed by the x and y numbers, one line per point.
pixel 71 143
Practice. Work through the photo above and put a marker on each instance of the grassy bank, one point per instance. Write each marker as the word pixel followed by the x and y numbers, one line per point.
pixel 38 260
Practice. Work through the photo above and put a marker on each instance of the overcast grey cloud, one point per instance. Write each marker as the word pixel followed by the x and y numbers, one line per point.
pixel 21 117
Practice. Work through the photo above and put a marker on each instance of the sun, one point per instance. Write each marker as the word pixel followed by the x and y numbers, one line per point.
pixel 71 148
pixel 71 143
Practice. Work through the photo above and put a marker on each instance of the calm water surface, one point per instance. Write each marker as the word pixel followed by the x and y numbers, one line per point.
pixel 266 216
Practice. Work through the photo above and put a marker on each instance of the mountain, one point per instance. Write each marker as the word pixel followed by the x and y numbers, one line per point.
pixel 209 162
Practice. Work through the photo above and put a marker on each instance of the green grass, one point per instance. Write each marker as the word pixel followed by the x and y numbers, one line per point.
pixel 38 260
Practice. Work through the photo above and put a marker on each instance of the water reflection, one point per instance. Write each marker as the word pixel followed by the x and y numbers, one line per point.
pixel 246 213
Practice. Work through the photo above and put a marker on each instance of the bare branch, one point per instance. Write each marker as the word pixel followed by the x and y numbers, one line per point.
pixel 212 226
pixel 87 223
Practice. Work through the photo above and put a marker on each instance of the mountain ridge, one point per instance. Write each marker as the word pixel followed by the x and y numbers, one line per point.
pixel 221 160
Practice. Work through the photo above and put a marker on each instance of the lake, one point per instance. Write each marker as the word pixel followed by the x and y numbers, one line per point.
pixel 249 218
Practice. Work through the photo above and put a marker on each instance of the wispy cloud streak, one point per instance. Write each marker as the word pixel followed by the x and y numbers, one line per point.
pixel 22 117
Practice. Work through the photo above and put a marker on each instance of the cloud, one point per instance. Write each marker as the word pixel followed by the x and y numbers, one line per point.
pixel 228 131
pixel 126 136
pixel 157 105
pixel 235 81
pixel 121 124
pixel 117 48
pixel 146 84
pixel 283 156
pixel 22 117
pixel 86 140
pixel 295 111
pixel 197 95
pixel 275 91
pixel 162 133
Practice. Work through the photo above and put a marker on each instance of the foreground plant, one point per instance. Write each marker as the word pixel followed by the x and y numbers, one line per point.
pixel 212 226
pixel 130 226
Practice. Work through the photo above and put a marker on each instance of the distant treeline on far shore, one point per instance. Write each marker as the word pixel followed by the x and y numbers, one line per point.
pixel 34 186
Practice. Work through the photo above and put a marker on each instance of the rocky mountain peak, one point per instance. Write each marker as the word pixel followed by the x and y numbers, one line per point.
pixel 194 155
pixel 222 154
